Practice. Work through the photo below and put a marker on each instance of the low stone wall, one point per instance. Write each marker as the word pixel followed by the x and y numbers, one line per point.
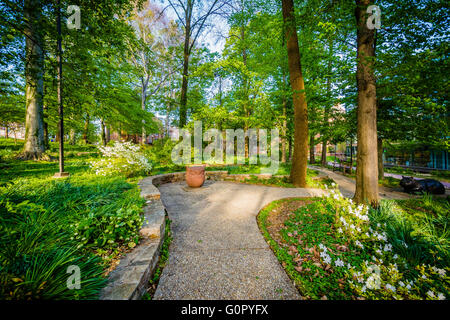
pixel 130 278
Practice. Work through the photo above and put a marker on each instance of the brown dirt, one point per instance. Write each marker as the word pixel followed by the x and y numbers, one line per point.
pixel 277 217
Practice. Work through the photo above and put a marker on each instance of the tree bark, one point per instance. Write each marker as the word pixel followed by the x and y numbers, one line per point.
pixel 108 134
pixel 86 129
pixel 102 123
pixel 72 136
pixel 184 85
pixel 312 158
pixel 143 99
pixel 6 132
pixel 300 156
pixel 34 146
pixel 367 162
pixel 380 159
pixel 283 133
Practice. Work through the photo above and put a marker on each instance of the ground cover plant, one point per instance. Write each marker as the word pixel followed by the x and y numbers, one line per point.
pixel 334 249
pixel 48 224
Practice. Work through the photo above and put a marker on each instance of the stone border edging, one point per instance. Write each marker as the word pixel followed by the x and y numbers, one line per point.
pixel 128 281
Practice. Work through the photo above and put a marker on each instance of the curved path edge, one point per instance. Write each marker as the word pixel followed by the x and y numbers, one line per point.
pixel 129 280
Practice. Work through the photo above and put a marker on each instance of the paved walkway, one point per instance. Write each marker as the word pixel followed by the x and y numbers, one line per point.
pixel 218 251
pixel 347 186
pixel 398 176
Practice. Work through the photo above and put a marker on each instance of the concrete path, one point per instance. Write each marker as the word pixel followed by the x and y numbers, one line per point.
pixel 347 186
pixel 397 176
pixel 218 251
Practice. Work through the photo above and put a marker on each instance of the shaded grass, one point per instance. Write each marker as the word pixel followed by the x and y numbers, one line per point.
pixel 48 224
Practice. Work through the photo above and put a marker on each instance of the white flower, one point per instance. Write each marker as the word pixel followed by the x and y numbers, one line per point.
pixel 441 296
pixel 359 244
pixel 327 260
pixel 390 287
pixel 401 283
pixel 339 263
pixel 431 293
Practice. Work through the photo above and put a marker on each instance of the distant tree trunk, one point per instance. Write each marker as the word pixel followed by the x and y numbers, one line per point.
pixel 102 123
pixel 367 160
pixel 46 143
pixel 108 134
pixel 6 132
pixel 143 99
pixel 380 159
pixel 323 159
pixel 290 147
pixel 312 158
pixel 327 107
pixel 283 133
pixel 86 129
pixel 34 146
pixel 300 156
pixel 184 85
pixel 72 136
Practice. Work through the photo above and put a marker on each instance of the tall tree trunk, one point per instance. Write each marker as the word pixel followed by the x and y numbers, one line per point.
pixel 108 134
pixel 72 136
pixel 102 124
pixel 184 85
pixel 143 99
pixel 312 158
pixel 245 88
pixel 283 133
pixel 300 156
pixel 367 162
pixel 6 132
pixel 86 129
pixel 327 106
pixel 45 129
pixel 34 146
pixel 380 159
pixel 323 159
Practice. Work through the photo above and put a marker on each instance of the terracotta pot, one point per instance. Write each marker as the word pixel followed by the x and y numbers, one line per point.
pixel 195 175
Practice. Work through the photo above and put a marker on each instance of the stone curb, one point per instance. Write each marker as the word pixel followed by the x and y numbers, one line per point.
pixel 128 281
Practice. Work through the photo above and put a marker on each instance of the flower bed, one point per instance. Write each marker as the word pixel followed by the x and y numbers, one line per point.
pixel 335 249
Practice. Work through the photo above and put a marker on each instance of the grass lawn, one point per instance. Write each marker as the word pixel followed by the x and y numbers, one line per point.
pixel 48 224
pixel 330 248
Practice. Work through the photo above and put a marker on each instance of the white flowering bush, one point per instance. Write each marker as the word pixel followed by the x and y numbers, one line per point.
pixel 386 275
pixel 122 158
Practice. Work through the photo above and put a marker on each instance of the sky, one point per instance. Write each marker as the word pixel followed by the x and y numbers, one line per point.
pixel 210 38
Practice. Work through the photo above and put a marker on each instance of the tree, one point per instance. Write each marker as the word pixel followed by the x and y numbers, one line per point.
pixel 34 146
pixel 300 157
pixel 193 17
pixel 367 160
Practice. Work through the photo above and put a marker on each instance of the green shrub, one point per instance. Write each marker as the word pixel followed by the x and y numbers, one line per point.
pixel 36 252
pixel 49 224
